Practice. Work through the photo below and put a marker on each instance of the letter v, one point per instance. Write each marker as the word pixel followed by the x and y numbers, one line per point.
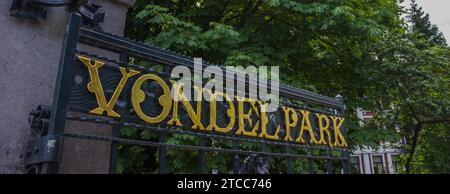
pixel 95 86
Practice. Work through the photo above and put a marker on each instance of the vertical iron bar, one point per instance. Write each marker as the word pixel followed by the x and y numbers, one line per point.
pixel 345 153
pixel 235 146
pixel 163 139
pixel 64 83
pixel 201 158
pixel 347 162
pixel 289 161
pixel 116 134
pixel 310 161
pixel 162 153
pixel 309 150
pixel 329 163
pixel 114 151
pixel 264 148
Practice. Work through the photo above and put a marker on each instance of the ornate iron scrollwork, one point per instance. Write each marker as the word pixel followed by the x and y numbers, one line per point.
pixel 39 119
pixel 255 164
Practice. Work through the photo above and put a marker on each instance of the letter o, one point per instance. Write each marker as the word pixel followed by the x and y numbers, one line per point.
pixel 138 96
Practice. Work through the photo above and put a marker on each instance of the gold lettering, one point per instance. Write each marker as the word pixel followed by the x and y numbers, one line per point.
pixel 195 116
pixel 264 121
pixel 324 129
pixel 138 96
pixel 337 132
pixel 306 125
pixel 246 116
pixel 213 113
pixel 289 124
pixel 165 100
pixel 95 86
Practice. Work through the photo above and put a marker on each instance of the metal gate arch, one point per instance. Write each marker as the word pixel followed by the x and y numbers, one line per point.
pixel 48 122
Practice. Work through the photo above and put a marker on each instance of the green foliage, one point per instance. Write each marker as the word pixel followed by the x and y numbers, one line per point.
pixel 133 159
pixel 357 48
pixel 422 28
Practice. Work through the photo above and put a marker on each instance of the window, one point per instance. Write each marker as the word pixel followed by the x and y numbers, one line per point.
pixel 377 162
pixel 354 163
pixel 394 163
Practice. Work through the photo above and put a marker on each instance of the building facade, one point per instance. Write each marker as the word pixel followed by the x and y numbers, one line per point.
pixel 382 160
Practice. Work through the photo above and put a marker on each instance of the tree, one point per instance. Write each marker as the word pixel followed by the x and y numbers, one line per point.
pixel 359 49
pixel 423 88
pixel 421 26
pixel 420 86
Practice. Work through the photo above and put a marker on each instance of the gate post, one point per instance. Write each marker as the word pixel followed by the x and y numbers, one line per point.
pixel 84 156
pixel 63 87
pixel 29 60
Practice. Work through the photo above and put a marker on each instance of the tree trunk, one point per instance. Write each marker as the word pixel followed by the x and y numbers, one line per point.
pixel 415 140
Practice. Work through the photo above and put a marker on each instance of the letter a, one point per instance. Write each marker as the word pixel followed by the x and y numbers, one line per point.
pixel 306 126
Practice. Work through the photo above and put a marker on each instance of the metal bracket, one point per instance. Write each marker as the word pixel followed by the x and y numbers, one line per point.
pixel 91 14
pixel 37 9
pixel 25 10
pixel 44 149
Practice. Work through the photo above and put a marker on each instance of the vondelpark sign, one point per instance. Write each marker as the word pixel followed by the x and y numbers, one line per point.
pixel 153 89
pixel 246 116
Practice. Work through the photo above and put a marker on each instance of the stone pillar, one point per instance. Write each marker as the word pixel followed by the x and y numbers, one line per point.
pixel 29 58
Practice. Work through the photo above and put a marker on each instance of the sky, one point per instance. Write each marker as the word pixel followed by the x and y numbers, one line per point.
pixel 439 11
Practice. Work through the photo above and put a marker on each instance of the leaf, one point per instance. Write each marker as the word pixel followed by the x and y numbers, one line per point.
pixel 273 3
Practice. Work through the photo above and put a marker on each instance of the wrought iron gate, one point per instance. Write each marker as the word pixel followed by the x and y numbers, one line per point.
pixel 72 101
